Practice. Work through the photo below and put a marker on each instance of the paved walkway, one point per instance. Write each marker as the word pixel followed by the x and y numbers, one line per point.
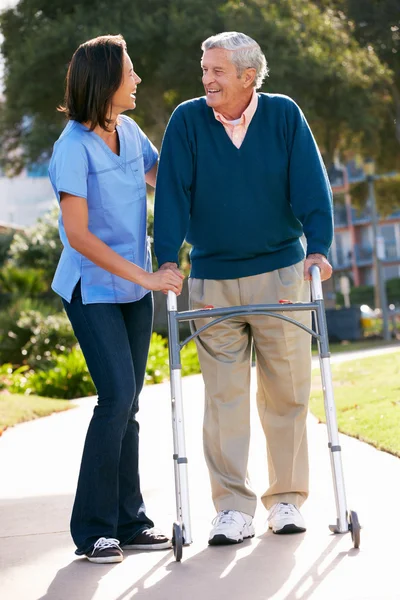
pixel 39 463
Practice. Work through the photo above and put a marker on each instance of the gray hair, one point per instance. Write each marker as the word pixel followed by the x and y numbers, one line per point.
pixel 246 53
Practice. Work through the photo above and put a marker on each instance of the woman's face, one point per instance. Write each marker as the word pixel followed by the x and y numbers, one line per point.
pixel 124 98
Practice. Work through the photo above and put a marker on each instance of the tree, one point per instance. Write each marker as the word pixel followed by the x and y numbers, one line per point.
pixel 315 59
pixel 312 54
pixel 376 24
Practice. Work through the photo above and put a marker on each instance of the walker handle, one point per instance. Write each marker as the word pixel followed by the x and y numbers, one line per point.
pixel 171 301
pixel 316 284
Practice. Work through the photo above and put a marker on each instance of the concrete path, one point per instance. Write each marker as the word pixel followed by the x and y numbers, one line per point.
pixel 39 462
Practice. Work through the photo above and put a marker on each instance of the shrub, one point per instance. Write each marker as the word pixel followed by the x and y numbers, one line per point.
pixel 22 282
pixel 393 290
pixel 14 381
pixel 66 375
pixel 30 334
pixel 13 338
pixel 68 379
pixel 5 243
pixel 364 294
pixel 157 369
pixel 190 360
pixel 38 247
pixel 8 376
pixel 50 335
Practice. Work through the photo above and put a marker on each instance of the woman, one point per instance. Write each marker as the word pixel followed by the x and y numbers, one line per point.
pixel 99 169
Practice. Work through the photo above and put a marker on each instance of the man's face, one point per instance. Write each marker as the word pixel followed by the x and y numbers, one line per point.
pixel 224 89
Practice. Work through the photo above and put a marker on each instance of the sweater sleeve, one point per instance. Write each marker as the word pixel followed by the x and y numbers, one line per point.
pixel 310 190
pixel 173 190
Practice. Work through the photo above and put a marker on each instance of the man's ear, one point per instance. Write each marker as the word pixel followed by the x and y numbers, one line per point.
pixel 249 76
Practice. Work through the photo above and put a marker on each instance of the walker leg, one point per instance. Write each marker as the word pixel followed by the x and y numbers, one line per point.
pixel 344 522
pixel 334 448
pixel 182 527
pixel 180 459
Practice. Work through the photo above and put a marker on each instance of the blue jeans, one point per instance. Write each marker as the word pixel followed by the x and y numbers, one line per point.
pixel 115 341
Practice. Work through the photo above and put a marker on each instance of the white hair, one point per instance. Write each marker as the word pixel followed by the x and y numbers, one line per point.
pixel 246 53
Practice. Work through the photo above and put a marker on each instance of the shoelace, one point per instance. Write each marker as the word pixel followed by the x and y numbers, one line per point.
pixel 282 507
pixel 103 543
pixel 226 517
pixel 154 532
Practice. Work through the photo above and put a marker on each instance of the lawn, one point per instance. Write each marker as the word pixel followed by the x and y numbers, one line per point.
pixel 367 397
pixel 15 408
pixel 365 344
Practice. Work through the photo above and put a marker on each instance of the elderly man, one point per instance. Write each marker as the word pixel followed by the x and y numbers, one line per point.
pixel 241 179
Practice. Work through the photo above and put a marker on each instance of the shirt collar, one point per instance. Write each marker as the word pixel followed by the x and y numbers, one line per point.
pixel 247 115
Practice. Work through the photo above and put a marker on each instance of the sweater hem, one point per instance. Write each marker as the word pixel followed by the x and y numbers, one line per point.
pixel 217 269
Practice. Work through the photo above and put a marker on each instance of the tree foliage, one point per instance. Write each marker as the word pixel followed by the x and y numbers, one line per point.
pixel 313 57
pixel 38 247
pixel 387 192
pixel 377 25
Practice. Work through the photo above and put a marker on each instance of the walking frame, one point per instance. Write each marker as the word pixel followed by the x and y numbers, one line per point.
pixel 346 520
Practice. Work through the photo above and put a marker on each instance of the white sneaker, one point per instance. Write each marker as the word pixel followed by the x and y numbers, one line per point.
pixel 286 518
pixel 231 527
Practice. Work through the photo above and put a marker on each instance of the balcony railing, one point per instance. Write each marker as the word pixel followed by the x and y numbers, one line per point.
pixel 361 216
pixel 343 259
pixel 391 250
pixel 340 216
pixel 357 216
pixel 364 254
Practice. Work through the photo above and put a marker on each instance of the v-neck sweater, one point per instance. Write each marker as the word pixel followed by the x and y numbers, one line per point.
pixel 243 209
pixel 236 129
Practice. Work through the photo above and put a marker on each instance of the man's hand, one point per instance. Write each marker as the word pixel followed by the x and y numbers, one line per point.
pixel 321 262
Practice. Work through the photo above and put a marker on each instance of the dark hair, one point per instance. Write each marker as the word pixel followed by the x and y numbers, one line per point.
pixel 94 75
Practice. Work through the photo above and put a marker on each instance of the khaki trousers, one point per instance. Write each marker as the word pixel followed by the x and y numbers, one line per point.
pixel 283 357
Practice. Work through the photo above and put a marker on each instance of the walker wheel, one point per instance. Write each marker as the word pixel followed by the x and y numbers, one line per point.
pixel 177 541
pixel 355 528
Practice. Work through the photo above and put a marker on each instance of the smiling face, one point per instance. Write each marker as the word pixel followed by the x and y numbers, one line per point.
pixel 227 93
pixel 124 98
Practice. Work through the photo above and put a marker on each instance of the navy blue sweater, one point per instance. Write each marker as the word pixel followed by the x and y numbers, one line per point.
pixel 243 210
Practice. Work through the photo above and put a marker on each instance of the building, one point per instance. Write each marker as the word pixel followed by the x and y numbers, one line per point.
pixel 26 197
pixel 352 249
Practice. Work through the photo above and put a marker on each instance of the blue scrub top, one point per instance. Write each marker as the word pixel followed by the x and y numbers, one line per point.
pixel 115 189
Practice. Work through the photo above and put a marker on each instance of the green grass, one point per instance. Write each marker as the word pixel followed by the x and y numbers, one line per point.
pixel 15 408
pixel 367 397
pixel 364 344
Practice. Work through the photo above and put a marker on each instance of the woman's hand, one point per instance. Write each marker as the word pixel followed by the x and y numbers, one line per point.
pixel 164 280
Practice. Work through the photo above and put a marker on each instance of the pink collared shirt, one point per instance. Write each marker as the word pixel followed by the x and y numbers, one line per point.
pixel 237 129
